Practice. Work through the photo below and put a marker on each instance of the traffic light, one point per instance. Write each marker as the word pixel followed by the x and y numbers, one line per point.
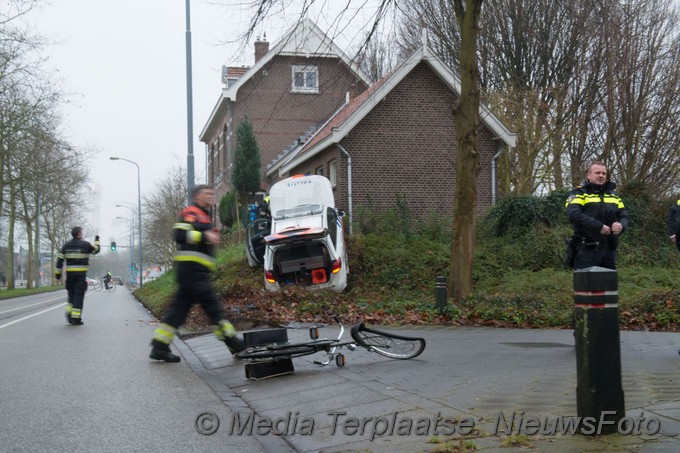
pixel 113 246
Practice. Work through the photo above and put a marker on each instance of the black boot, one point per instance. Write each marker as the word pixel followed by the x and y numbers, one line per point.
pixel 235 344
pixel 161 351
pixel 77 322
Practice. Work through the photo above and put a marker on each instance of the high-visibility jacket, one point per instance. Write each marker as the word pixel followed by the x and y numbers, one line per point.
pixel 76 254
pixel 192 245
pixel 591 206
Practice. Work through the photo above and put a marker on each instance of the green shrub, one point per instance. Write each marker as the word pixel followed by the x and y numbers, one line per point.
pixel 519 276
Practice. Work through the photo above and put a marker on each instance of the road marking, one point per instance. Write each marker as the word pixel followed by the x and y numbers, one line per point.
pixel 30 316
pixel 29 306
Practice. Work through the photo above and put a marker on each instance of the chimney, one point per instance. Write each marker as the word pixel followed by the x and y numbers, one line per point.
pixel 261 47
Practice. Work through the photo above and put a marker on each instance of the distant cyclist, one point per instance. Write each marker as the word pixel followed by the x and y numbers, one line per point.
pixel 107 280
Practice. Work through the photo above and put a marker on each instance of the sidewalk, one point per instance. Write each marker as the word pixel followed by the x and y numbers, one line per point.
pixel 472 380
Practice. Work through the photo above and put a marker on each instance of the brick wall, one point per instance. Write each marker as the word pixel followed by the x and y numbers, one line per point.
pixel 407 145
pixel 279 115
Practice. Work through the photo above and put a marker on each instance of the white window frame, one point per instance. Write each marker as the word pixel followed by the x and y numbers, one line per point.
pixel 308 85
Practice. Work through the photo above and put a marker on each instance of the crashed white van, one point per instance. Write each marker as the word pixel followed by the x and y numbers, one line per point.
pixel 306 244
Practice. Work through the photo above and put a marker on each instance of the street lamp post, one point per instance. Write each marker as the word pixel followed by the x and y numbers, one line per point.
pixel 190 107
pixel 139 213
pixel 132 229
pixel 129 276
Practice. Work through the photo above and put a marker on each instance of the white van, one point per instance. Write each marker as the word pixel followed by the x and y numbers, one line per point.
pixel 306 244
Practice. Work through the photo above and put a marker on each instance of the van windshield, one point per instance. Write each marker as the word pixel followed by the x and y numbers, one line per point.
pixel 298 211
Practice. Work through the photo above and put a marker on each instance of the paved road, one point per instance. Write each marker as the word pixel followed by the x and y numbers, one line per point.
pixel 479 375
pixel 92 387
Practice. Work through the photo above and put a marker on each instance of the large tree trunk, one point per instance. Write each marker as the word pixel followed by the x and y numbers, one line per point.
pixel 10 240
pixel 467 160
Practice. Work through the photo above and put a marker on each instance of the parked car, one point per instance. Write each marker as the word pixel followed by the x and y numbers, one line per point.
pixel 117 279
pixel 304 242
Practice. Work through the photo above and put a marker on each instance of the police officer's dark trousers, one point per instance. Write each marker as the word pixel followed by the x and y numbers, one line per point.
pixel 595 255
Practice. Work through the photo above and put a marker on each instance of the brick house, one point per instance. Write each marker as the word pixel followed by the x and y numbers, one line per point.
pixel 289 91
pixel 398 137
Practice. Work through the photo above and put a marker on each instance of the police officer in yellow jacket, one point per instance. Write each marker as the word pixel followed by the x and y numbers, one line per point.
pixel 599 217
pixel 75 253
pixel 194 263
pixel 674 224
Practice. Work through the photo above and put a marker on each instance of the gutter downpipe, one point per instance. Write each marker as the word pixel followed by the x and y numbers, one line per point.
pixel 349 184
pixel 493 175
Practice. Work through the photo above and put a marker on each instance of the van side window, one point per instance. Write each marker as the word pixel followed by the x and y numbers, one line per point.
pixel 333 225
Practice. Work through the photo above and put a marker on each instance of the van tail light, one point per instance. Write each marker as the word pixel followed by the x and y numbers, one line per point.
pixel 337 265
pixel 269 276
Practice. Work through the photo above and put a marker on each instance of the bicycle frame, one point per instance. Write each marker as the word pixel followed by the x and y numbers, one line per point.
pixel 332 354
pixel 383 343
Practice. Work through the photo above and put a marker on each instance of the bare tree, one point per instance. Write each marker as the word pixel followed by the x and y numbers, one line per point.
pixel 640 95
pixel 380 56
pixel 576 80
pixel 161 209
pixel 345 17
pixel 35 165
pixel 466 118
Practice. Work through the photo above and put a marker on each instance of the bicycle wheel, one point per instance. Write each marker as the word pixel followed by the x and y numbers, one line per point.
pixel 98 286
pixel 387 344
pixel 112 287
pixel 279 350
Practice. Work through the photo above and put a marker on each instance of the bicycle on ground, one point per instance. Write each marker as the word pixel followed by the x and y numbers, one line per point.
pixel 386 344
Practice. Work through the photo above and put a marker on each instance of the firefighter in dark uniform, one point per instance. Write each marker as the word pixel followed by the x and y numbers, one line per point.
pixel 194 263
pixel 674 224
pixel 599 217
pixel 76 255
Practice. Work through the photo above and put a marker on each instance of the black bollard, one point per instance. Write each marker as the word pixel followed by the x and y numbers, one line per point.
pixel 599 393
pixel 441 293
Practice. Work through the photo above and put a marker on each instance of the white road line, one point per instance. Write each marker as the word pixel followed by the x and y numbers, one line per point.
pixel 32 305
pixel 30 316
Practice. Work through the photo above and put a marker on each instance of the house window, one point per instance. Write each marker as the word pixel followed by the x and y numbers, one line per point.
pixel 305 78
pixel 333 172
pixel 319 171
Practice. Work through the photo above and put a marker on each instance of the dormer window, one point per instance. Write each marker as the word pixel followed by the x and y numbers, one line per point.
pixel 305 78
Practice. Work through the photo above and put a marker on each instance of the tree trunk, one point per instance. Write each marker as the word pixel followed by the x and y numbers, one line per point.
pixel 10 240
pixel 467 159
pixel 30 265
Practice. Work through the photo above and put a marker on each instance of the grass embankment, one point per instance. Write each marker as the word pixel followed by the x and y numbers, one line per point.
pixel 519 276
pixel 18 292
pixel 392 282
